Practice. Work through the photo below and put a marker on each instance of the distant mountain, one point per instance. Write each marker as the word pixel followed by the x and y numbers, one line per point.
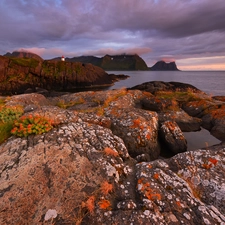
pixel 112 62
pixel 163 66
pixel 21 54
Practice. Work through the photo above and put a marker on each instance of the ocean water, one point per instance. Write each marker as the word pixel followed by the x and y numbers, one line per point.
pixel 211 82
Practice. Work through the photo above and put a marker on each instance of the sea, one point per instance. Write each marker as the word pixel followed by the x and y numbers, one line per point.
pixel 211 82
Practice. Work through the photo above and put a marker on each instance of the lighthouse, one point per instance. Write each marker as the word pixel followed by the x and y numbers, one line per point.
pixel 63 59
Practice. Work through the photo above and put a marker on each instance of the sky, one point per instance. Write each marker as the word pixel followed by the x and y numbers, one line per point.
pixel 189 32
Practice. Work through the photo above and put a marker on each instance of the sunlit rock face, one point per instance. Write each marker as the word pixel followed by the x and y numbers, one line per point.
pixel 101 163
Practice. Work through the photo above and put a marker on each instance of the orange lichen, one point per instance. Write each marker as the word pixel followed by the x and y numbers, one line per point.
pixel 137 124
pixel 89 204
pixel 149 166
pixel 151 195
pixel 156 176
pixel 207 165
pixel 178 203
pixel 148 136
pixel 109 151
pixel 106 188
pixel 104 204
pixel 213 161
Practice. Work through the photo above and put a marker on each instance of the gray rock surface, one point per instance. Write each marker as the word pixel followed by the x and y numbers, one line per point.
pixel 100 164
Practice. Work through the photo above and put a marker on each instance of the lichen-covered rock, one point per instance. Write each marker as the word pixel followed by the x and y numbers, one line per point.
pixel 81 171
pixel 187 189
pixel 59 170
pixel 138 129
pixel 172 136
pixel 28 99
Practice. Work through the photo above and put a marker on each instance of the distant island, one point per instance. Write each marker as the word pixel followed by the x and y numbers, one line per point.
pixel 163 66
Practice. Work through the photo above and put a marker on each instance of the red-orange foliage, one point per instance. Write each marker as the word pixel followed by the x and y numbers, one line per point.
pixel 106 188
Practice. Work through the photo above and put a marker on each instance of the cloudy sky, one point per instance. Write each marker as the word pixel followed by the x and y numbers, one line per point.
pixel 190 32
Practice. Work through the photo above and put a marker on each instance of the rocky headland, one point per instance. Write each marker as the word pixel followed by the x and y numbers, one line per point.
pixel 21 73
pixel 102 163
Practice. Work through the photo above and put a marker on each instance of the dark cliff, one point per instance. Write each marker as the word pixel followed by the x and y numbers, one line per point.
pixel 19 74
pixel 163 66
pixel 112 62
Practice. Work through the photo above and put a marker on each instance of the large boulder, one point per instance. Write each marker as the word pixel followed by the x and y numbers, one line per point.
pixel 138 129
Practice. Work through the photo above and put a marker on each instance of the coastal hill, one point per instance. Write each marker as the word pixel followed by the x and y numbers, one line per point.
pixel 112 62
pixel 163 66
pixel 19 74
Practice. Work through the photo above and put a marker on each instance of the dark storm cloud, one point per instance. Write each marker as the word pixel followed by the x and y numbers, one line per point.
pixel 175 29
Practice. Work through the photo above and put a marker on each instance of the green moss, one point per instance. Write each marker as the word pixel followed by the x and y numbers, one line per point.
pixel 178 96
pixel 25 62
pixel 64 105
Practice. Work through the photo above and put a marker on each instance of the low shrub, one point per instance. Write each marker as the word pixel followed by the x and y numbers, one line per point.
pixel 10 113
pixel 27 125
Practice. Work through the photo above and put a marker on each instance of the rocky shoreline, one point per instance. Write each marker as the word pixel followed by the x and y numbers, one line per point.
pixel 101 163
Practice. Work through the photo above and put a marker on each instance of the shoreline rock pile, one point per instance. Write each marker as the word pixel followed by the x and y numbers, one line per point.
pixel 101 162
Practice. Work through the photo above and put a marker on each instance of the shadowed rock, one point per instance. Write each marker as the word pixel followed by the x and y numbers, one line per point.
pixel 173 137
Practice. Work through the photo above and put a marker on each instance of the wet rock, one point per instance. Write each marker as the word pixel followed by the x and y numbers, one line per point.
pixel 172 136
pixel 212 114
